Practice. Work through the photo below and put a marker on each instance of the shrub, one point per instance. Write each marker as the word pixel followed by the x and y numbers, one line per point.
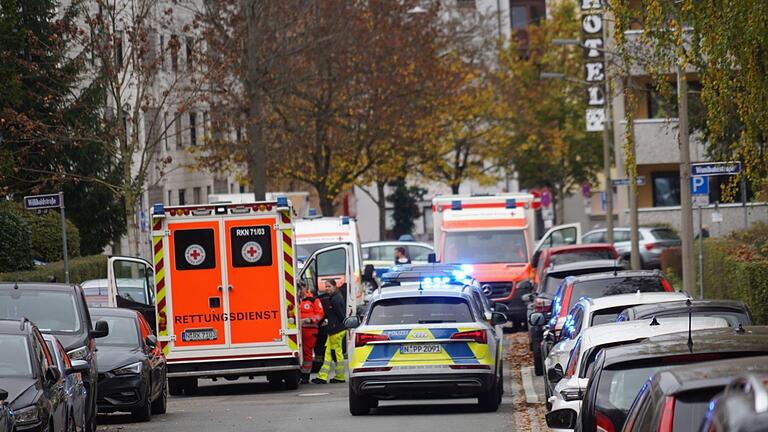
pixel 15 243
pixel 80 269
pixel 672 260
pixel 46 233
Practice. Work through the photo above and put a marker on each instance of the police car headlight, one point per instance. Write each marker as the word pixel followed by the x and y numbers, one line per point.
pixel 26 416
pixel 131 369
pixel 81 353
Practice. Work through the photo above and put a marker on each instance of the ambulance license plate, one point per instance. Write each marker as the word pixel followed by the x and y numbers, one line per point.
pixel 420 349
pixel 199 335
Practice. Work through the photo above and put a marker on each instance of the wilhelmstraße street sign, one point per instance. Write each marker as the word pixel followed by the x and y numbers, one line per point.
pixel 715 168
pixel 34 202
pixel 625 181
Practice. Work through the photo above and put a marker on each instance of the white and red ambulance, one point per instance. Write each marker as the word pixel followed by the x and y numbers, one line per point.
pixel 493 237
pixel 221 287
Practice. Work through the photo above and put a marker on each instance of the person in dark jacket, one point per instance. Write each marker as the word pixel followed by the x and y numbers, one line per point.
pixel 335 313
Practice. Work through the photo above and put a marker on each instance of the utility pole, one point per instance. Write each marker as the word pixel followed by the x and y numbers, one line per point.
pixel 686 207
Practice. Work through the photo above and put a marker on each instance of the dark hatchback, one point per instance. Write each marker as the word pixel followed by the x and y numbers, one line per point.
pixel 677 399
pixel 132 368
pixel 29 375
pixel 619 373
pixel 60 310
pixel 733 311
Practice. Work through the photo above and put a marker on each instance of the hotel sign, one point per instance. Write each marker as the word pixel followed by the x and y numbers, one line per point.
pixel 592 28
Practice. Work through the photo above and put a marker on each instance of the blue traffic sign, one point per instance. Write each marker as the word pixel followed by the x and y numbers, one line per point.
pixel 715 168
pixel 699 185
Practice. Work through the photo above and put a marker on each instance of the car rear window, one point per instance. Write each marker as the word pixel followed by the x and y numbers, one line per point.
pixel 605 316
pixel 733 318
pixel 691 408
pixel 587 255
pixel 664 234
pixel 420 310
pixel 613 286
pixel 552 283
pixel 617 389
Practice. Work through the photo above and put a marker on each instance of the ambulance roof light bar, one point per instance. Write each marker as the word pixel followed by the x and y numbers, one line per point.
pixel 345 220
pixel 158 209
pixel 456 205
pixel 282 202
pixel 511 203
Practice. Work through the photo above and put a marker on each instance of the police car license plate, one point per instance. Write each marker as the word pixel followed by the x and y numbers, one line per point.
pixel 420 349
pixel 199 335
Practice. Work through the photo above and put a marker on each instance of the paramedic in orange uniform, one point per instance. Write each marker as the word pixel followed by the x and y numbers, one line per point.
pixel 311 314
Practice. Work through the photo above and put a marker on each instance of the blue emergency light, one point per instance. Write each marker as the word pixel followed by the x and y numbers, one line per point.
pixel 456 205
pixel 282 201
pixel 158 209
pixel 511 203
pixel 312 212
pixel 345 220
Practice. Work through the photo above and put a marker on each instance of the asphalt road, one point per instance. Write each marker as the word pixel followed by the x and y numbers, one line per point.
pixel 251 406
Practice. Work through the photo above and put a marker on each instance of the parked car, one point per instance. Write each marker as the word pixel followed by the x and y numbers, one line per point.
pixel 606 403
pixel 743 405
pixel 677 399
pixel 132 370
pixel 382 254
pixel 60 310
pixel 6 415
pixel 652 242
pixel 74 389
pixel 573 374
pixel 96 292
pixel 569 254
pixel 29 374
pixel 733 311
pixel 589 312
pixel 541 299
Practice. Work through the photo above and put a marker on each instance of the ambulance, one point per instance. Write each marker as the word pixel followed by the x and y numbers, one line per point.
pixel 221 287
pixel 493 237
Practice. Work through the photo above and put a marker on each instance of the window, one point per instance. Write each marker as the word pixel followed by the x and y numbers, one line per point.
pixel 177 131
pixel 501 246
pixel 621 236
pixel 166 128
pixel 666 189
pixel 595 237
pixel 242 188
pixel 119 50
pixel 418 253
pixel 466 4
pixel 429 221
pixel 173 44
pixel 207 192
pixel 122 332
pixel 182 196
pixel 205 124
pixel 614 286
pixel 14 357
pixel 193 128
pixel 332 263
pixel 170 197
pixel 424 310
pixel 196 195
pixel 49 310
pixel 519 15
pixel 190 48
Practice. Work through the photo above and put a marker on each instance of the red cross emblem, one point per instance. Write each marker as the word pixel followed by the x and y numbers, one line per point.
pixel 251 252
pixel 194 254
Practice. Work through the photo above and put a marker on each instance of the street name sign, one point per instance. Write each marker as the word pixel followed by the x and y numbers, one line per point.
pixel 35 202
pixel 715 168
pixel 625 181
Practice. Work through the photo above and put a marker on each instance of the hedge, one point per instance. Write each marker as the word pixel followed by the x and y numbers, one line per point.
pixel 46 233
pixel 80 269
pixel 15 243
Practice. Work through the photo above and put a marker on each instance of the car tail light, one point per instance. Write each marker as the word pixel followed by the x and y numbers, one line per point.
pixel 651 246
pixel 540 305
pixel 667 415
pixel 603 423
pixel 362 339
pixel 478 336
pixel 373 369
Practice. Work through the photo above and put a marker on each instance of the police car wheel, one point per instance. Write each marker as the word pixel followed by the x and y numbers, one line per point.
pixel 489 401
pixel 359 405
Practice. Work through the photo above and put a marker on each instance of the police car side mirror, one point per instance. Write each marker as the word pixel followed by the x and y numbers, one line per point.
pixel 562 419
pixel 352 322
pixel 537 319
pixel 432 258
pixel 555 374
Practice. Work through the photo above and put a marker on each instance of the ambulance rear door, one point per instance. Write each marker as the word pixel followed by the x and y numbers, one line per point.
pixel 130 285
pixel 560 235
pixel 333 263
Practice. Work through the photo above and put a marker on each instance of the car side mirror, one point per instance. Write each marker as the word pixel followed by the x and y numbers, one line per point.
pixel 100 330
pixel 535 258
pixel 528 298
pixel 561 419
pixel 3 395
pixel 352 322
pixel 151 341
pixel 537 319
pixel 525 286
pixel 78 366
pixel 555 374
pixel 52 374
pixel 500 308
pixel 432 258
pixel 549 336
pixel 368 272
pixel 498 318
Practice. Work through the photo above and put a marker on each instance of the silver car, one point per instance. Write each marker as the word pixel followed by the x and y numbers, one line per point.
pixel 74 389
pixel 652 241
pixel 6 415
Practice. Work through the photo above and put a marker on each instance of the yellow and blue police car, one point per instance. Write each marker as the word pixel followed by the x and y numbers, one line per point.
pixel 422 339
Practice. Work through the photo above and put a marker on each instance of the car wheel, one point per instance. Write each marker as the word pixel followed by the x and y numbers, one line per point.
pixel 292 380
pixel 144 412
pixel 160 405
pixel 275 381
pixel 501 382
pixel 489 401
pixel 358 405
pixel 538 363
pixel 190 386
pixel 90 421
pixel 175 386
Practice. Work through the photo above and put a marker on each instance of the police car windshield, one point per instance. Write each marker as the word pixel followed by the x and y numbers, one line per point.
pixel 419 310
pixel 485 247
pixel 51 311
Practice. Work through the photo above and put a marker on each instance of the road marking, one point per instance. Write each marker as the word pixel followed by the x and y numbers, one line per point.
pixel 531 396
pixel 311 394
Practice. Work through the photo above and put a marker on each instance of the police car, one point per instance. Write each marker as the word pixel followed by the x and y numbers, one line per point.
pixel 421 339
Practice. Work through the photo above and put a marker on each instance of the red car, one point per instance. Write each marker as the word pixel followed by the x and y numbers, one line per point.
pixel 571 254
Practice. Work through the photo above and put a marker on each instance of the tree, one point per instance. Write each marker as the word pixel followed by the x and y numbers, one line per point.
pixel 725 42
pixel 547 140
pixel 51 116
pixel 405 200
